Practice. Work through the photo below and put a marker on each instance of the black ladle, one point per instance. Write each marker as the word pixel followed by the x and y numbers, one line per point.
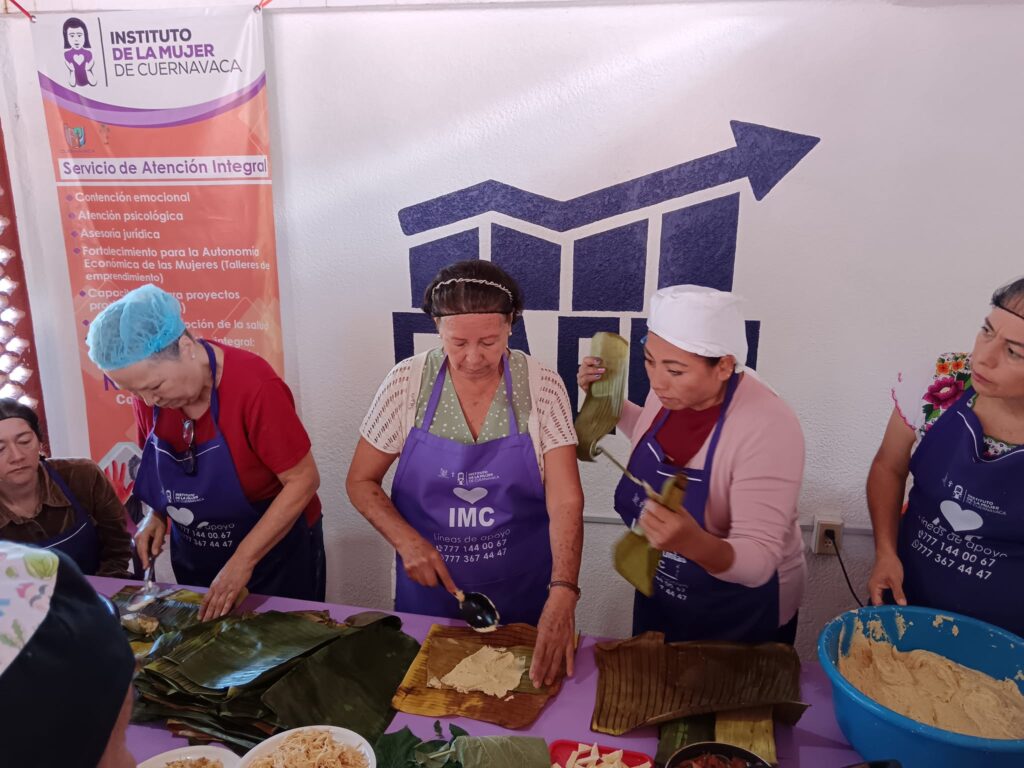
pixel 478 611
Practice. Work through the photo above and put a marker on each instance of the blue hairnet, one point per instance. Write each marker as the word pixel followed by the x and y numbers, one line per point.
pixel 139 324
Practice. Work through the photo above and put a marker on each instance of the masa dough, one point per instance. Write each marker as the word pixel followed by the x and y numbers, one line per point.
pixel 932 689
pixel 494 671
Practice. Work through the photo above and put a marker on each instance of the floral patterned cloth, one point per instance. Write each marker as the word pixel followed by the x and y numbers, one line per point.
pixel 922 395
pixel 27 579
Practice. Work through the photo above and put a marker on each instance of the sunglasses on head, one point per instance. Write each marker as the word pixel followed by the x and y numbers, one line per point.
pixel 188 435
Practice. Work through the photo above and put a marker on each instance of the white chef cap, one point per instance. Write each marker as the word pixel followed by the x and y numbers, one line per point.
pixel 700 320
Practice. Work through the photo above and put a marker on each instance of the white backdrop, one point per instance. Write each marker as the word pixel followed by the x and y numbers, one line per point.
pixel 880 245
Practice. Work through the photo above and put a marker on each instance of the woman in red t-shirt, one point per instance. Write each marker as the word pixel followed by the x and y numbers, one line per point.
pixel 225 456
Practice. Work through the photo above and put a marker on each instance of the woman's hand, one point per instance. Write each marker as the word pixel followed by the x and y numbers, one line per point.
pixel 225 588
pixel 590 370
pixel 887 574
pixel 424 564
pixel 669 530
pixel 556 638
pixel 149 539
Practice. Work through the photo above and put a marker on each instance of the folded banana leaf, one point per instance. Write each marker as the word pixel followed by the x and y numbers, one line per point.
pixel 603 404
pixel 676 734
pixel 634 557
pixel 414 697
pixel 245 651
pixel 644 681
pixel 348 683
pixel 177 610
pixel 637 561
pixel 750 729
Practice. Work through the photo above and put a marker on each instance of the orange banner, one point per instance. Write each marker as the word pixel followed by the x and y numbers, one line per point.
pixel 158 128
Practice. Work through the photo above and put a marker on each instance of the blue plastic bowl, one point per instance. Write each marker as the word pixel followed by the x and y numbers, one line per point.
pixel 878 733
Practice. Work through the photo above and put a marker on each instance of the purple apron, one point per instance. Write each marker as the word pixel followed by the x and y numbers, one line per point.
pixel 961 539
pixel 688 602
pixel 210 514
pixel 482 506
pixel 81 543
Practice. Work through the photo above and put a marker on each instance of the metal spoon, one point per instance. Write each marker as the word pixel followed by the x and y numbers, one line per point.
pixel 599 451
pixel 147 594
pixel 478 611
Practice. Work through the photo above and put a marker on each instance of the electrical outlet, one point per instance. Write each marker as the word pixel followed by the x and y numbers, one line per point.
pixel 821 545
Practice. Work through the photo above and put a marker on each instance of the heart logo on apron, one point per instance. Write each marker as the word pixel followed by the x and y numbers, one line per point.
pixel 78 58
pixel 959 518
pixel 181 515
pixel 470 495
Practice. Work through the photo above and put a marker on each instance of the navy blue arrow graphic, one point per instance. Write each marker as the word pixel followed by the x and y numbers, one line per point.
pixel 763 155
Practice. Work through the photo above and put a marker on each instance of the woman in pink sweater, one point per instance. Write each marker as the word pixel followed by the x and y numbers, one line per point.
pixel 733 565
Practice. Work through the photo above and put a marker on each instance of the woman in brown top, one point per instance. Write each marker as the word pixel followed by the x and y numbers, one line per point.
pixel 65 504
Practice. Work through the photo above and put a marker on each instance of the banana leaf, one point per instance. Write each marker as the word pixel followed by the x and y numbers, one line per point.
pixel 414 697
pixel 206 732
pixel 637 561
pixel 249 649
pixel 750 729
pixel 208 681
pixel 603 404
pixel 347 683
pixel 501 752
pixel 634 558
pixel 177 610
pixel 446 653
pixel 676 734
pixel 644 681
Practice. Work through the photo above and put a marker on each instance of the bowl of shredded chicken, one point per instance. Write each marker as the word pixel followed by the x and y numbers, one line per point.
pixel 321 746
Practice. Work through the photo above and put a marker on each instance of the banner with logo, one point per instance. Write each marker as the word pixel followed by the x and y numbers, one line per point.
pixel 158 126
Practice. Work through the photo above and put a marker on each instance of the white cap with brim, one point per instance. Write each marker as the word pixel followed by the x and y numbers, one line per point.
pixel 700 320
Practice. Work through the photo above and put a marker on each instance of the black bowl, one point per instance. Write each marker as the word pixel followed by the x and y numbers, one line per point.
pixel 701 748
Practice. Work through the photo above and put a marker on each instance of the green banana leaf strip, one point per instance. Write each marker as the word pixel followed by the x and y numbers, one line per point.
pixel 249 649
pixel 675 735
pixel 348 683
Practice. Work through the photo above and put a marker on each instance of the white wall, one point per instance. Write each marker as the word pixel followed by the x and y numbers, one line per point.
pixel 883 244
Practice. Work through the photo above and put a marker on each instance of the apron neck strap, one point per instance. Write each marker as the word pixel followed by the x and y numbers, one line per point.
pixel 435 396
pixel 513 422
pixel 61 483
pixel 214 397
pixel 730 390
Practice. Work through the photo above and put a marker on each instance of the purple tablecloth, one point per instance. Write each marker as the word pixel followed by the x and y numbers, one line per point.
pixel 815 742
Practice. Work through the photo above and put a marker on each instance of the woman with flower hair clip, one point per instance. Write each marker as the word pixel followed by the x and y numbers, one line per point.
pixel 487 494
pixel 958 430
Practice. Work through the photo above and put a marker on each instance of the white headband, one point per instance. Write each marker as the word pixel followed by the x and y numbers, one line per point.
pixel 478 281
pixel 475 281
